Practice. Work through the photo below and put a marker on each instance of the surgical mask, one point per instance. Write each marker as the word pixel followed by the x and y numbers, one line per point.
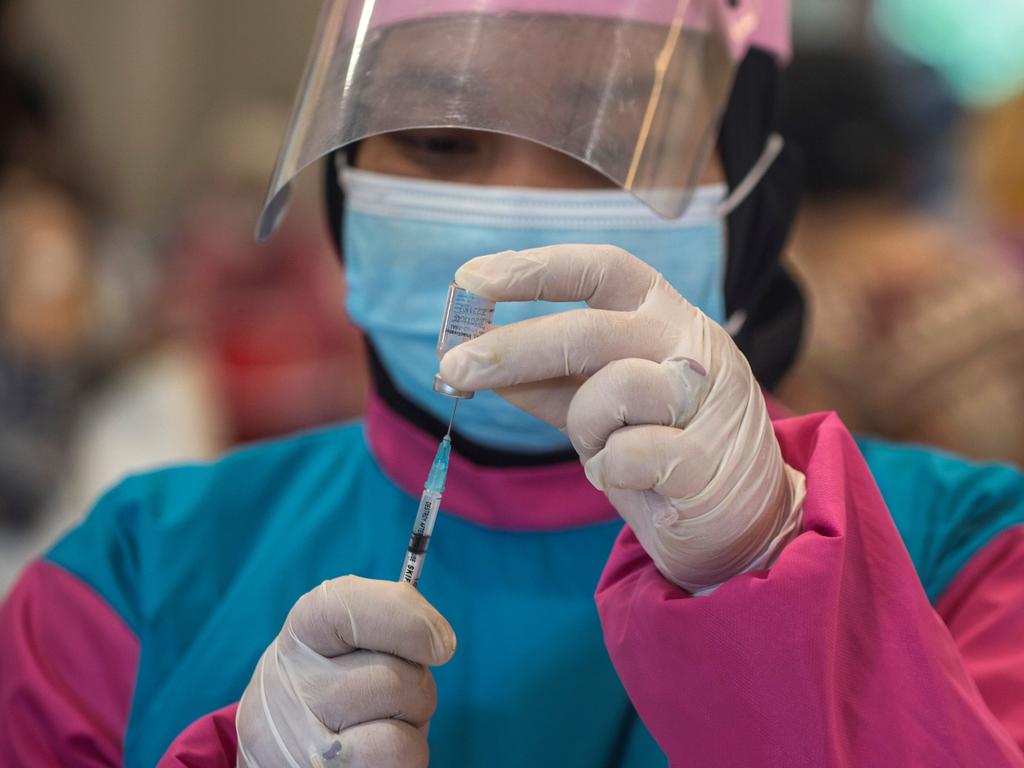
pixel 405 238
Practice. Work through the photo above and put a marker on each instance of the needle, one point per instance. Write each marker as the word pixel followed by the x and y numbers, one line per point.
pixel 452 419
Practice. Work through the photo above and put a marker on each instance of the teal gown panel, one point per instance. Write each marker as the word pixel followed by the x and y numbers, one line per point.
pixel 204 563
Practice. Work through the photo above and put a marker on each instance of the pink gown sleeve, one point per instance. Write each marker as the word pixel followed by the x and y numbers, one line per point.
pixel 833 657
pixel 210 742
pixel 984 610
pixel 67 670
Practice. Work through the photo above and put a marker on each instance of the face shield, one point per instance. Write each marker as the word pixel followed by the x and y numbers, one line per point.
pixel 634 89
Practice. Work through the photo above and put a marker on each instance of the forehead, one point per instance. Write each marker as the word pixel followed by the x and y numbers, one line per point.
pixel 521 54
pixel 568 79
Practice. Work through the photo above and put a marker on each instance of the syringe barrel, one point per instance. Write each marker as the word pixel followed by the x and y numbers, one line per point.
pixel 413 565
pixel 430 502
pixel 466 316
pixel 422 530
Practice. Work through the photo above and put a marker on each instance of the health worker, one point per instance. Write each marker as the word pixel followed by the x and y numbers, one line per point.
pixel 770 591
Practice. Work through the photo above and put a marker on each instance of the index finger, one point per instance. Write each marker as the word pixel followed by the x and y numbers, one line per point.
pixel 344 614
pixel 604 276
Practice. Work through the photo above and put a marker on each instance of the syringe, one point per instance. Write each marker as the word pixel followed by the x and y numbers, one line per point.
pixel 426 515
pixel 466 316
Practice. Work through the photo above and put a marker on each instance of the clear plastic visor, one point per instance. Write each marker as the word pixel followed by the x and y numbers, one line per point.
pixel 636 99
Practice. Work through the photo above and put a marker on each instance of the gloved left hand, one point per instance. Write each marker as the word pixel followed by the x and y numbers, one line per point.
pixel 656 398
pixel 346 681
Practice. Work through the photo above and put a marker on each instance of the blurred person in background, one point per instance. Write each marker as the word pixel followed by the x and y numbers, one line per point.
pixel 996 156
pixel 74 293
pixel 47 293
pixel 782 593
pixel 127 345
pixel 46 302
pixel 238 338
pixel 932 311
pixel 268 318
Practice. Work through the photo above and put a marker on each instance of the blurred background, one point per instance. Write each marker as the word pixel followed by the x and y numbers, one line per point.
pixel 140 324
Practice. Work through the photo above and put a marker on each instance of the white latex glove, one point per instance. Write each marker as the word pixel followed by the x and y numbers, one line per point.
pixel 656 398
pixel 346 681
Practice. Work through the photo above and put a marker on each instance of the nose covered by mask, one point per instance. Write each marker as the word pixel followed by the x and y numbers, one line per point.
pixel 405 238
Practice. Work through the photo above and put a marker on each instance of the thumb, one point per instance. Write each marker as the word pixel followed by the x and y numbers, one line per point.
pixel 350 612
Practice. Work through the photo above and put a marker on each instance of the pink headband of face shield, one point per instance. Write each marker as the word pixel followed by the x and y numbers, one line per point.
pixel 745 24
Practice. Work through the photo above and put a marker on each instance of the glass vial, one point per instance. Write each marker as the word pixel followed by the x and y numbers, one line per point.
pixel 466 316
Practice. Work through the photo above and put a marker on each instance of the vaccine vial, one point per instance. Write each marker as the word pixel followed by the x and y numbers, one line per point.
pixel 466 316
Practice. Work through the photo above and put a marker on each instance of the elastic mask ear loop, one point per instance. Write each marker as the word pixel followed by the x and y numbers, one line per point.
pixel 340 164
pixel 772 149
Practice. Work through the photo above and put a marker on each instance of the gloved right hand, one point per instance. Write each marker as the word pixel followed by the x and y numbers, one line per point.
pixel 346 682
pixel 657 399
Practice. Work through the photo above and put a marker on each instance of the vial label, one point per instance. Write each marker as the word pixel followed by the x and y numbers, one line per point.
pixel 466 316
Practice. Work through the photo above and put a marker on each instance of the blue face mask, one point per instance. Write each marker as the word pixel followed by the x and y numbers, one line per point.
pixel 405 238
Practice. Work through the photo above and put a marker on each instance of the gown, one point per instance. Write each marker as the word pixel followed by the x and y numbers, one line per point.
pixel 887 633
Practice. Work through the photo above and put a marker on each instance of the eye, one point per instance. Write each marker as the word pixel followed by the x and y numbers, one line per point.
pixel 440 145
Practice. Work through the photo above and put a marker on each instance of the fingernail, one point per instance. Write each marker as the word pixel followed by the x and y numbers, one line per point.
pixel 594 470
pixel 695 366
pixel 469 277
pixel 452 368
pixel 443 641
pixel 476 274
pixel 469 365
